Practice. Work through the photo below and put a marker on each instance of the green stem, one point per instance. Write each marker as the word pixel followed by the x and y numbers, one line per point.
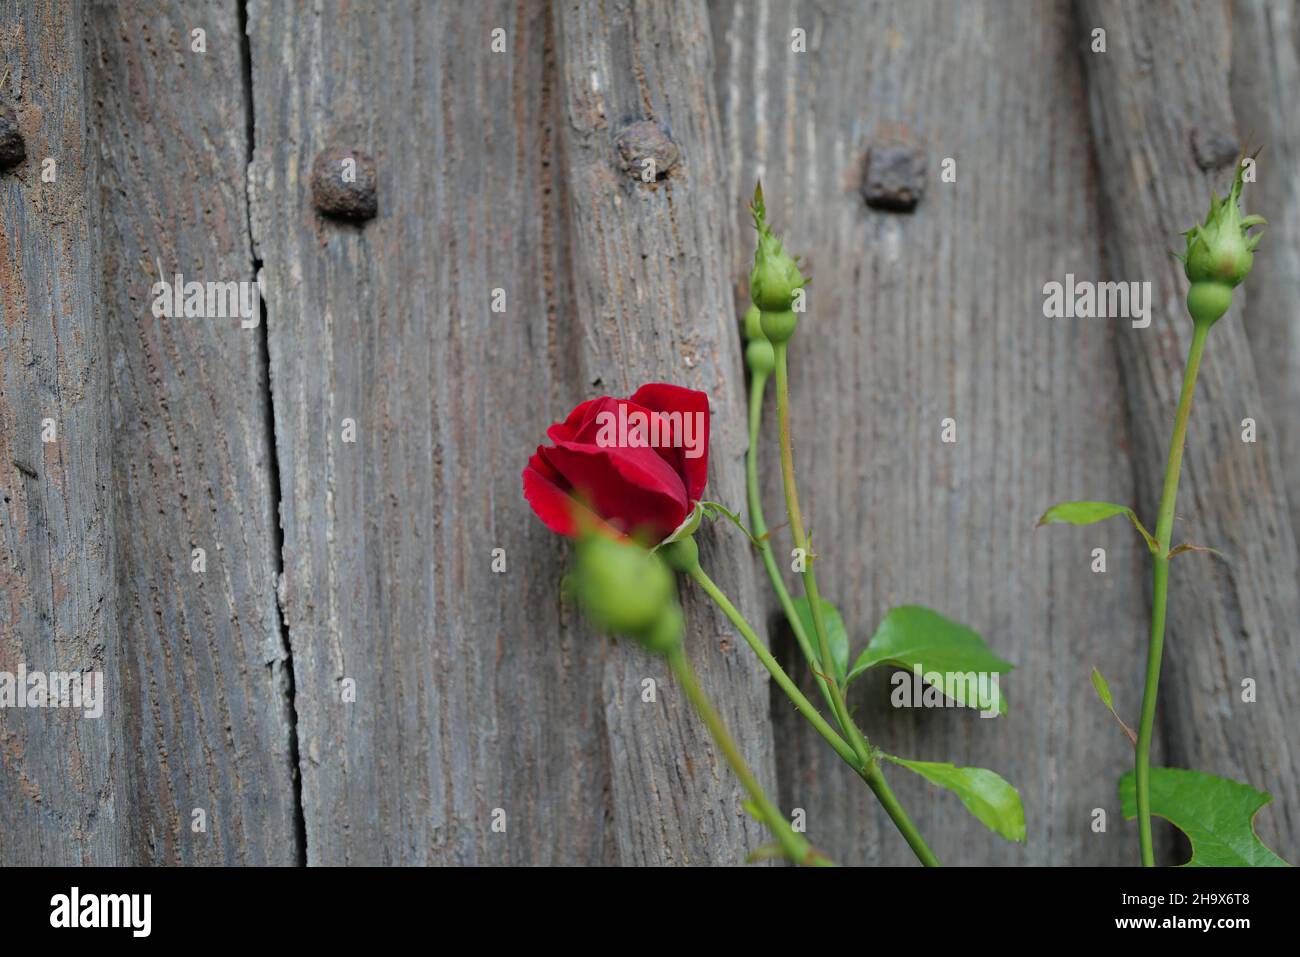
pixel 875 778
pixel 856 738
pixel 869 769
pixel 758 526
pixel 774 668
pixel 1160 589
pixel 795 847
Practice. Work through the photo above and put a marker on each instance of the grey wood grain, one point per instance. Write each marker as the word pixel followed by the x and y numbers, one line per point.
pixel 1165 72
pixel 65 796
pixel 654 303
pixel 914 318
pixel 206 682
pixel 473 690
pixel 479 692
pixel 1264 77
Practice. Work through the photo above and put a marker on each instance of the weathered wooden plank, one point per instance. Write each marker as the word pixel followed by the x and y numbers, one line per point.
pixel 914 318
pixel 654 303
pixel 473 693
pixel 478 691
pixel 206 682
pixel 1165 72
pixel 63 776
pixel 1265 76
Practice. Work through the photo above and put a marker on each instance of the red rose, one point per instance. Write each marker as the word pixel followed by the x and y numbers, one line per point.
pixel 639 464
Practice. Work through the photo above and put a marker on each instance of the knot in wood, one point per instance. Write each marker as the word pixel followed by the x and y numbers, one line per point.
pixel 1213 148
pixel 646 151
pixel 13 150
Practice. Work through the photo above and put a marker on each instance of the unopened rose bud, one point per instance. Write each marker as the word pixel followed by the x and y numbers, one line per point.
pixel 779 326
pixel 1208 301
pixel 760 357
pixel 682 555
pixel 623 588
pixel 775 277
pixel 666 632
pixel 1219 254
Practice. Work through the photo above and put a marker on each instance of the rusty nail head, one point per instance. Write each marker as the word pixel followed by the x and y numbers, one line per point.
pixel 344 184
pixel 895 175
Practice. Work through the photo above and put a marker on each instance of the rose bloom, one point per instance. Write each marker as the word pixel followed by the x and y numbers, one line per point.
pixel 639 464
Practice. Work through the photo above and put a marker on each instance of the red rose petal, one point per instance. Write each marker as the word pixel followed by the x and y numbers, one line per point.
pixel 664 397
pixel 570 427
pixel 546 491
pixel 633 489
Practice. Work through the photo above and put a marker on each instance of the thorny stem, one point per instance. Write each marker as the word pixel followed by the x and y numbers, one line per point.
pixel 758 526
pixel 860 744
pixel 875 779
pixel 1160 591
pixel 795 847
pixel 870 770
pixel 774 668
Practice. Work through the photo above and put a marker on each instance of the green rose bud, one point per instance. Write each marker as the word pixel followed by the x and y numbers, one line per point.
pixel 779 326
pixel 775 276
pixel 621 586
pixel 760 357
pixel 1219 254
pixel 1208 301
pixel 666 633
pixel 682 555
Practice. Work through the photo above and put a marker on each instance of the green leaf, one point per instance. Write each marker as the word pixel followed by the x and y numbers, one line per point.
pixel 911 635
pixel 1216 814
pixel 835 633
pixel 1085 513
pixel 716 510
pixel 986 795
pixel 1103 692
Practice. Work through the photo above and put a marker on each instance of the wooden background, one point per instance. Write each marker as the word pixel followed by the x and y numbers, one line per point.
pixel 372 561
